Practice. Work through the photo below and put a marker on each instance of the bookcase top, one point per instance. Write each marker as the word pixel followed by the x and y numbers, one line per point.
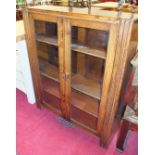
pixel 94 12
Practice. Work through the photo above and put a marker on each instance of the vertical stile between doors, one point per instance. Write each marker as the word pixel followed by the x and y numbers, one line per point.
pixel 67 64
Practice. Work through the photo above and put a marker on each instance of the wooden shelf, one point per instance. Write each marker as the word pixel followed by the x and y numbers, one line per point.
pixel 99 53
pixel 85 103
pixel 83 126
pixel 78 100
pixel 48 40
pixel 79 82
pixel 86 86
pixel 51 93
pixel 51 87
pixel 48 70
pixel 52 108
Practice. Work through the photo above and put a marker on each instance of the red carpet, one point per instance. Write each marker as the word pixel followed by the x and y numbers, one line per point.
pixel 39 132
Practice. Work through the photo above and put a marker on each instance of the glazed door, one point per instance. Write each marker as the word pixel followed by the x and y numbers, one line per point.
pixel 47 60
pixel 89 55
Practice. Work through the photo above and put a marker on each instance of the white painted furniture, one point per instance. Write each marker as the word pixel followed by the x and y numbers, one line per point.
pixel 23 72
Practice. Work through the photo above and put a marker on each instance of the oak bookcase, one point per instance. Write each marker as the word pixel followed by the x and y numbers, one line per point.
pixel 78 59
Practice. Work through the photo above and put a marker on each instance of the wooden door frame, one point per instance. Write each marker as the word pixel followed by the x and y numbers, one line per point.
pixel 32 52
pixel 120 64
pixel 112 28
pixel 32 57
pixel 109 65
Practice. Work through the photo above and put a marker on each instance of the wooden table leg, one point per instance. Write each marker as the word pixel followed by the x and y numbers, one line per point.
pixel 122 135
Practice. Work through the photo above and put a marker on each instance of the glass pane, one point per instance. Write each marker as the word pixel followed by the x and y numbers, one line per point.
pixel 89 41
pixel 47 51
pixel 88 54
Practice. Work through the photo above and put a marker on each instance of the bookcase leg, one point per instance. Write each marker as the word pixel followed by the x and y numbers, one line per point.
pixel 38 104
pixel 102 143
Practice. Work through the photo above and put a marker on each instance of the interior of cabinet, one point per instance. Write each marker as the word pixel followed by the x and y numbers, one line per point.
pixel 47 51
pixel 88 55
